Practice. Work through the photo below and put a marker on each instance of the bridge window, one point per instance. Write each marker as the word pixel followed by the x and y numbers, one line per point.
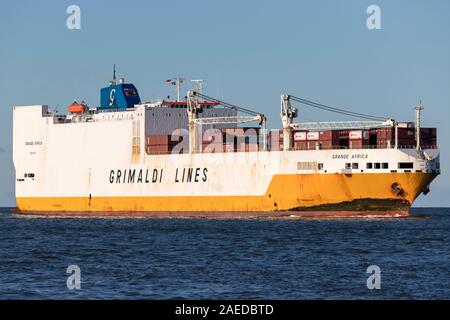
pixel 348 166
pixel 385 165
pixel 369 165
pixel 405 165
pixel 377 165
pixel 354 165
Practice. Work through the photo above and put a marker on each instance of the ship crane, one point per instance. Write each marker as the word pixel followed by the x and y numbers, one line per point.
pixel 194 107
pixel 288 113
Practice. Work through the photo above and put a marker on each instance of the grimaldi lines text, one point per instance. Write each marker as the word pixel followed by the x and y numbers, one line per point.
pixel 156 175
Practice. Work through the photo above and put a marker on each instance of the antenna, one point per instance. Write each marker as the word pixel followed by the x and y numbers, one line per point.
pixel 113 81
pixel 198 85
pixel 418 108
pixel 178 81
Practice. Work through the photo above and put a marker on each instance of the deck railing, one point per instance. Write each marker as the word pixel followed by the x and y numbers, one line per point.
pixel 363 147
pixel 220 150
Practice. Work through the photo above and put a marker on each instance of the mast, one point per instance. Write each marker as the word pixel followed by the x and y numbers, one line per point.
pixel 192 109
pixel 198 85
pixel 418 108
pixel 178 82
pixel 287 114
pixel 113 81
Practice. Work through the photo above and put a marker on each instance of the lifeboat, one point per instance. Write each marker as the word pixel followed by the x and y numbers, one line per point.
pixel 77 107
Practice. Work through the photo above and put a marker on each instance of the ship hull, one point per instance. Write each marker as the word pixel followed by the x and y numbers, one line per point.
pixel 102 168
pixel 219 214
pixel 334 195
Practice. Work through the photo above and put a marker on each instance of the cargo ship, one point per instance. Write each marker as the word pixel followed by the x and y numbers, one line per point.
pixel 199 156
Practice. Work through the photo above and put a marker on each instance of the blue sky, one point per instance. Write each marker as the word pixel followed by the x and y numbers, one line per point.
pixel 248 53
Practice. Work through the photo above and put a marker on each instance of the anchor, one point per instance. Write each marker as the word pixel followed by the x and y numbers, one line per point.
pixel 396 189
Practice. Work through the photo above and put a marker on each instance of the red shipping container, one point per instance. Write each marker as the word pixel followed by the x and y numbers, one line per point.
pixel 326 135
pixel 158 139
pixel 326 144
pixel 356 144
pixel 342 134
pixel 247 147
pixel 313 145
pixel 406 132
pixel 157 150
pixel 251 147
pixel 300 145
pixel 158 147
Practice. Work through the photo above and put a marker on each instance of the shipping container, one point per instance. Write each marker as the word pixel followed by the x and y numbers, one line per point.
pixel 241 131
pixel 160 139
pixel 157 149
pixel 406 125
pixel 233 131
pixel 358 135
pixel 358 143
pixel 325 135
pixel 326 144
pixel 247 147
pixel 300 135
pixel 300 145
pixel 312 135
pixel 275 140
pixel 406 132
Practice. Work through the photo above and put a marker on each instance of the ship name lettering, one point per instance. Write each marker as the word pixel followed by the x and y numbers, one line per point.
pixel 191 175
pixel 340 156
pixel 348 156
pixel 360 156
pixel 136 176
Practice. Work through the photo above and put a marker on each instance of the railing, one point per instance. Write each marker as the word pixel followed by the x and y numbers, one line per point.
pixel 259 148
pixel 363 147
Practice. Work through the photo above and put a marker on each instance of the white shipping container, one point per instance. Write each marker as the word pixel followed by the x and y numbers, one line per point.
pixel 358 134
pixel 355 134
pixel 406 125
pixel 300 136
pixel 313 135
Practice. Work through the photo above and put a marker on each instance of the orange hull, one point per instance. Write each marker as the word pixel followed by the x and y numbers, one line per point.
pixel 307 195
